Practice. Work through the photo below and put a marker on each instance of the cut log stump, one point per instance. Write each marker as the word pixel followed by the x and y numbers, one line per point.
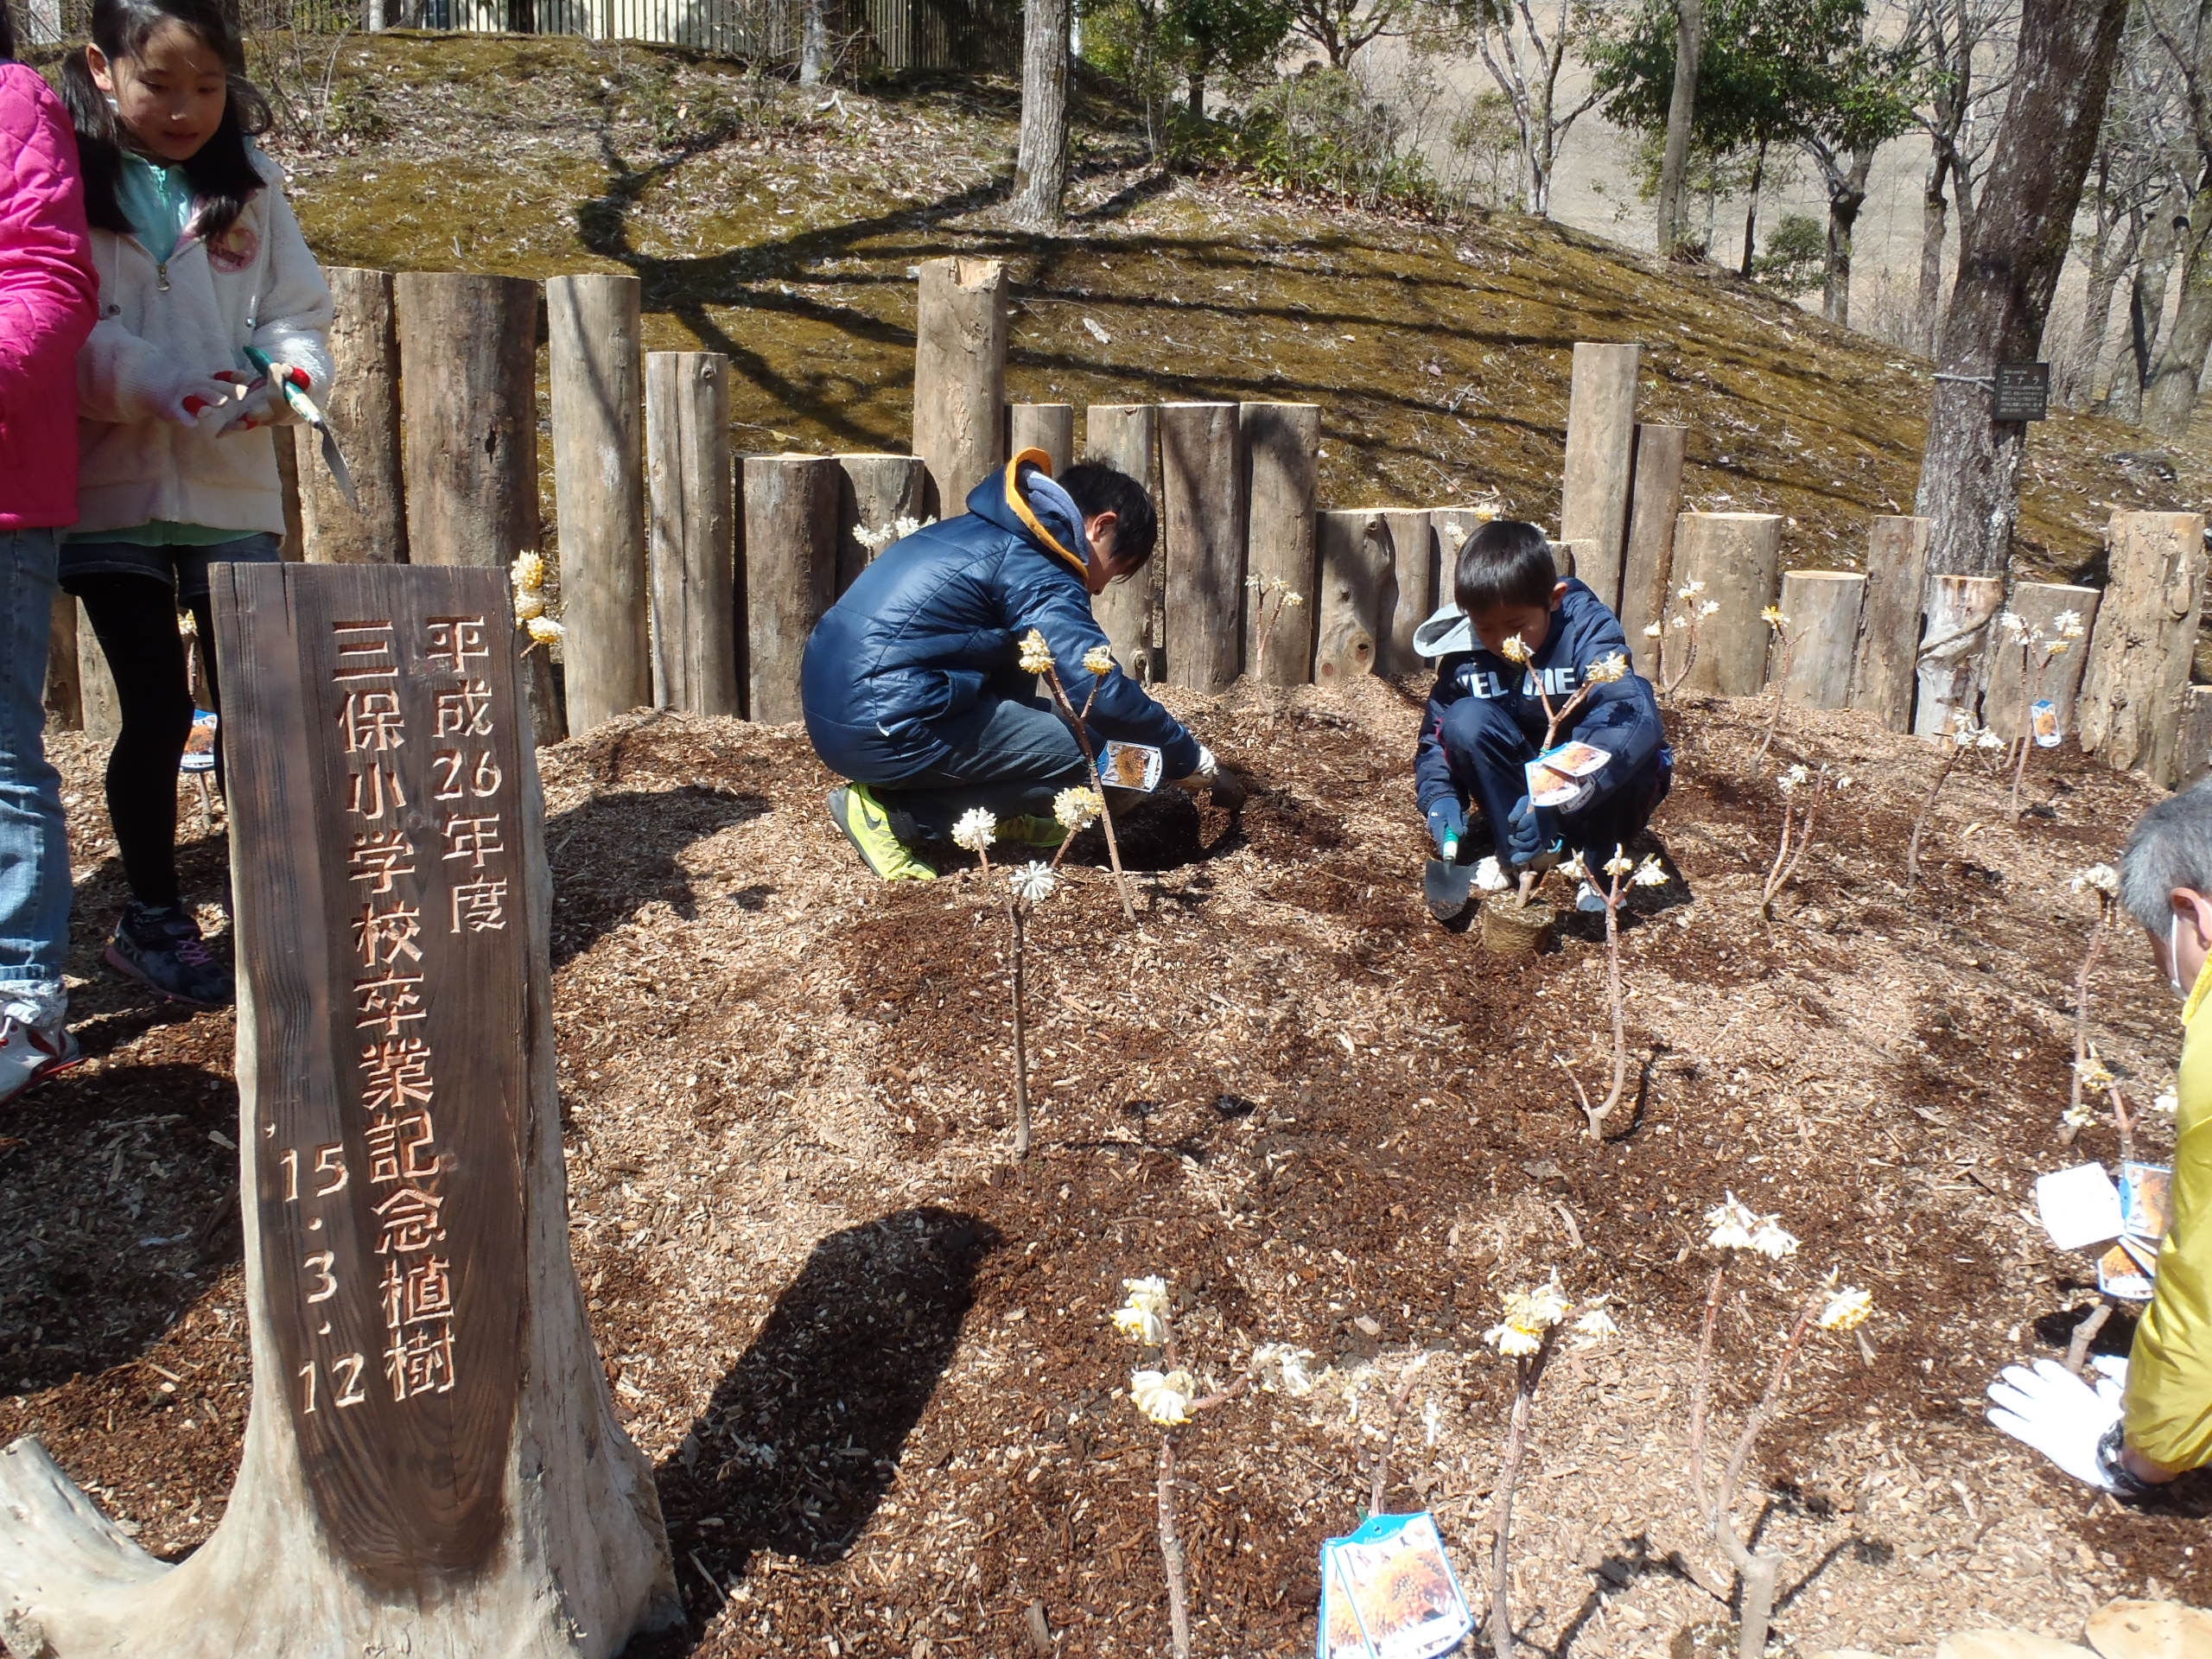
pixel 2146 629
pixel 692 552
pixel 1409 598
pixel 1126 436
pixel 1884 673
pixel 960 377
pixel 2056 679
pixel 1356 580
pixel 1654 503
pixel 1282 444
pixel 1601 461
pixel 1957 616
pixel 1737 556
pixel 1049 427
pixel 1202 532
pixel 363 409
pixel 1823 608
pixel 787 561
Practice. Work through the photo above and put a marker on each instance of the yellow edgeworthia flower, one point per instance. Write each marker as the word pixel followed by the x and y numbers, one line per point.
pixel 544 630
pixel 1078 808
pixel 527 573
pixel 1604 672
pixel 528 604
pixel 1098 660
pixel 1516 649
pixel 1846 1310
pixel 1036 655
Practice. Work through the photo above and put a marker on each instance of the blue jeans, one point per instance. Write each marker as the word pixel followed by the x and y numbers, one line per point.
pixel 1487 750
pixel 35 889
pixel 1010 756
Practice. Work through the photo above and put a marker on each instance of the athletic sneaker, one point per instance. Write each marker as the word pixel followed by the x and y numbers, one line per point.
pixel 30 1054
pixel 160 947
pixel 867 826
pixel 1046 833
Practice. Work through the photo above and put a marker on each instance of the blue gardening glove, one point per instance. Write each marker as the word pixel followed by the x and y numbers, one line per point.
pixel 1524 837
pixel 1448 823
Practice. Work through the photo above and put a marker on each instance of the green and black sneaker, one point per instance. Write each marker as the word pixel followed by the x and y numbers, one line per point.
pixel 1044 834
pixel 867 826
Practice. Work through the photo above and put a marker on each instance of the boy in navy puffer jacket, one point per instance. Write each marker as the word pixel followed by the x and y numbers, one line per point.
pixel 1485 720
pixel 911 683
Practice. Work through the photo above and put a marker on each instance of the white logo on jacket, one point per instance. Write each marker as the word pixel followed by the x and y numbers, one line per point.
pixel 1558 681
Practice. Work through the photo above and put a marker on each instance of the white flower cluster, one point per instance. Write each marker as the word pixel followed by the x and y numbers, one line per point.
pixel 975 829
pixel 1606 670
pixel 1530 1314
pixel 897 530
pixel 1736 1228
pixel 1143 1317
pixel 1034 883
pixel 1846 1310
pixel 1967 736
pixel 2098 878
pixel 1078 808
pixel 1285 595
pixel 1164 1396
pixel 1036 656
pixel 1515 649
pixel 1281 1369
pixel 1098 660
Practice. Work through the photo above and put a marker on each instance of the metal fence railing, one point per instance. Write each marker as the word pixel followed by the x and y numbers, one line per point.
pixel 982 35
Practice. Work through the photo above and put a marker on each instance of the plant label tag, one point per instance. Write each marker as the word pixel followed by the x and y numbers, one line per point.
pixel 2144 1191
pixel 2122 1272
pixel 1554 777
pixel 199 744
pixel 1387 1591
pixel 1130 766
pixel 2079 1207
pixel 2043 720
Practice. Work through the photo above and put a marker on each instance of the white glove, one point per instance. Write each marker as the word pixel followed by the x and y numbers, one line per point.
pixel 2056 1413
pixel 261 400
pixel 1205 772
pixel 192 397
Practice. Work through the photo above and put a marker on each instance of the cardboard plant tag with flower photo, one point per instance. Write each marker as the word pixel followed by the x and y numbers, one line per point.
pixel 2144 1191
pixel 2043 720
pixel 1555 775
pixel 2126 1271
pixel 1130 766
pixel 1387 1591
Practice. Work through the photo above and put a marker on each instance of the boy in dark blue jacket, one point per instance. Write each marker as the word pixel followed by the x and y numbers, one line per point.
pixel 1516 627
pixel 912 686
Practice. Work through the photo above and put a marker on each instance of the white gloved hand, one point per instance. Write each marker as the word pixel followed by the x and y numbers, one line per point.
pixel 2112 1375
pixel 1205 772
pixel 192 396
pixel 261 400
pixel 2054 1411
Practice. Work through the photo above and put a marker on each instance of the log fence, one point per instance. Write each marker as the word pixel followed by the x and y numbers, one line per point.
pixel 690 576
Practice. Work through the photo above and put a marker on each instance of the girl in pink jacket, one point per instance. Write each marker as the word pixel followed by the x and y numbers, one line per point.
pixel 202 270
pixel 47 291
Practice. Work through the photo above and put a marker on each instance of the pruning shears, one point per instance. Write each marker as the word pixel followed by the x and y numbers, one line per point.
pixel 305 408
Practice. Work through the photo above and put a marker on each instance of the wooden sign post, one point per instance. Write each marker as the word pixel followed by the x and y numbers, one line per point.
pixel 432 1464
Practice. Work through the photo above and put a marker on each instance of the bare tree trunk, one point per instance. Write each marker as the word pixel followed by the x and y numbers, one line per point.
pixel 1845 198
pixel 1040 168
pixel 2106 264
pixel 1681 111
pixel 814 45
pixel 1935 215
pixel 2169 401
pixel 1969 479
pixel 1751 211
pixel 2146 306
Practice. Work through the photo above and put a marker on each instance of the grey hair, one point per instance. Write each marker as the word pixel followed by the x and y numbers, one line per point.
pixel 2171 847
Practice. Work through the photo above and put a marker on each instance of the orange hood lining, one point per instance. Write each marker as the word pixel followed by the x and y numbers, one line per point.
pixel 1037 458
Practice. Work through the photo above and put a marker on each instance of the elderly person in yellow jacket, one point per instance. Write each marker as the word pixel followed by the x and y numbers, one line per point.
pixel 2151 1421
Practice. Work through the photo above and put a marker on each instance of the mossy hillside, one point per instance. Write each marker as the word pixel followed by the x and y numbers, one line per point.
pixel 783 229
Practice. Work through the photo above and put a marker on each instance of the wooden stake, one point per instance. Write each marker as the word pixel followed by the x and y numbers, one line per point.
pixel 362 405
pixel 1202 526
pixel 597 368
pixel 2130 694
pixel 1282 444
pixel 2193 749
pixel 960 377
pixel 692 522
pixel 1409 597
pixel 97 704
pixel 1601 461
pixel 787 559
pixel 1883 674
pixel 1655 502
pixel 289 466
pixel 1126 436
pixel 1823 607
pixel 468 375
pixel 432 1463
pixel 1354 581
pixel 2039 604
pixel 65 706
pixel 874 493
pixel 1954 649
pixel 1049 427
pixel 1737 556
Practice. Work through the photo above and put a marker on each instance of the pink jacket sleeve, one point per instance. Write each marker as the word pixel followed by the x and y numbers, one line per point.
pixel 48 291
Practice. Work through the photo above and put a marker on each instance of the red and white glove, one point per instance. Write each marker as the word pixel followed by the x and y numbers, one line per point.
pixel 192 397
pixel 261 398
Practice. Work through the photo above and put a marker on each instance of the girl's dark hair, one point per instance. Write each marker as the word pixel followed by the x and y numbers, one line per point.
pixel 221 174
pixel 1095 487
pixel 7 35
pixel 1505 563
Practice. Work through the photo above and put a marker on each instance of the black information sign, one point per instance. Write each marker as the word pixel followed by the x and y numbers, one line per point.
pixel 2021 392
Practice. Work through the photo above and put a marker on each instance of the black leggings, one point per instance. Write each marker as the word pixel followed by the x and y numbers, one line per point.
pixel 134 617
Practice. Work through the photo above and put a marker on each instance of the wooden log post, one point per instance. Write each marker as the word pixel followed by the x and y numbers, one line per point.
pixel 2130 697
pixel 691 492
pixel 97 704
pixel 1126 436
pixel 65 703
pixel 1823 608
pixel 290 466
pixel 1356 578
pixel 1282 446
pixel 1049 427
pixel 1884 674
pixel 432 1462
pixel 1956 614
pixel 1452 527
pixel 960 339
pixel 873 493
pixel 1202 527
pixel 362 406
pixel 1737 556
pixel 2039 604
pixel 1410 594
pixel 468 375
pixel 787 560
pixel 595 359
pixel 2193 749
pixel 1601 461
pixel 1572 557
pixel 1654 503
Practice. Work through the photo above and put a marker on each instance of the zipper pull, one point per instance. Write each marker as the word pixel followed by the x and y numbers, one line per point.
pixel 161 271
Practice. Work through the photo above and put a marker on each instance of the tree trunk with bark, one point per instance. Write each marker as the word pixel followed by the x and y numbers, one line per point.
pixel 2169 401
pixel 1681 112
pixel 1751 211
pixel 1040 168
pixel 1847 196
pixel 2146 307
pixel 1969 479
pixel 814 44
pixel 1934 220
pixel 2108 260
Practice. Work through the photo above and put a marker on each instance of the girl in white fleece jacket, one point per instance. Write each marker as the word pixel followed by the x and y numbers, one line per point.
pixel 200 258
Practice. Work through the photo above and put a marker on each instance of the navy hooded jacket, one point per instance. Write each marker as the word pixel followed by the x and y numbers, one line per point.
pixel 937 618
pixel 1621 717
